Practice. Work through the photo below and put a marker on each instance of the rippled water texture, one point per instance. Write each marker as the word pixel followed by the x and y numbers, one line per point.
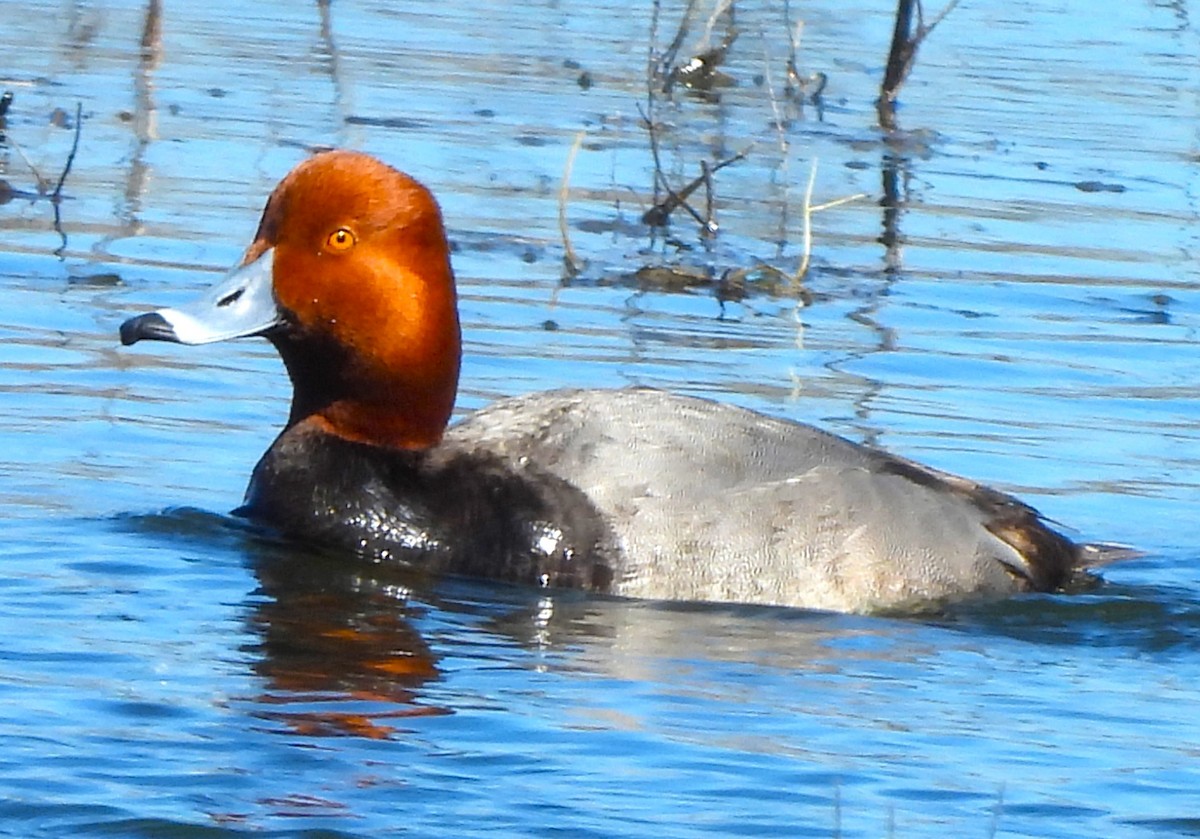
pixel 1014 299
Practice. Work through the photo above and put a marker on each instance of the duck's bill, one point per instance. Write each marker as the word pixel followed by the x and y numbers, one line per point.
pixel 241 305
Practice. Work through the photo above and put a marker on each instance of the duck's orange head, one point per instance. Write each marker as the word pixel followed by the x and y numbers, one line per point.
pixel 349 277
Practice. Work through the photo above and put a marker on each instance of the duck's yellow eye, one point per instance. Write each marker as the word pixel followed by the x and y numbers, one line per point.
pixel 340 240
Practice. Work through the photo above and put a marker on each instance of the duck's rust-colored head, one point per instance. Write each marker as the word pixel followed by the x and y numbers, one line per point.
pixel 349 277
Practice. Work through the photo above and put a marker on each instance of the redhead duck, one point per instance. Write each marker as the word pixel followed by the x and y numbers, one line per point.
pixel 633 492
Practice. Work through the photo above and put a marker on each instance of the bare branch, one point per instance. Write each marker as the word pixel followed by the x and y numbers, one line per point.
pixel 906 38
pixel 660 213
pixel 901 53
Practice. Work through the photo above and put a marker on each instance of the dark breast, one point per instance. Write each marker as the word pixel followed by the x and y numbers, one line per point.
pixel 446 511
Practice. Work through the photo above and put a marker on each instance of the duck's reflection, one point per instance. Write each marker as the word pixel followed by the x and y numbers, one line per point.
pixel 341 654
pixel 337 648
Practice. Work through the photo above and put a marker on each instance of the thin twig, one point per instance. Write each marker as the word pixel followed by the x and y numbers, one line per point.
pixel 719 9
pixel 793 65
pixel 569 256
pixel 926 30
pixel 667 60
pixel 668 57
pixel 652 76
pixel 807 219
pixel 42 183
pixel 57 194
pixel 710 226
pixel 783 143
pixel 675 201
pixel 808 210
pixel 651 55
pixel 660 180
pixel 837 202
pixel 658 215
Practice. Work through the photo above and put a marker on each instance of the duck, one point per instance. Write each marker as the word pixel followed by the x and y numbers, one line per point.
pixel 633 492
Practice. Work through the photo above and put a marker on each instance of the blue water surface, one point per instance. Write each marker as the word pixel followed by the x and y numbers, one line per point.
pixel 1015 296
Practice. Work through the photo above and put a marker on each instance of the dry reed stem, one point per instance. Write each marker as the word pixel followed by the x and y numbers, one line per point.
pixel 837 202
pixel 806 217
pixel 807 214
pixel 569 256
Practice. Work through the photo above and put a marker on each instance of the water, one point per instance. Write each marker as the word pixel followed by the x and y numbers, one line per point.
pixel 1026 315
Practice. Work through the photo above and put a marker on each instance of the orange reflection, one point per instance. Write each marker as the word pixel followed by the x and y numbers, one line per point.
pixel 338 650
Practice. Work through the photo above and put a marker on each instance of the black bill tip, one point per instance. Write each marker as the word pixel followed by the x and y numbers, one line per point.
pixel 152 326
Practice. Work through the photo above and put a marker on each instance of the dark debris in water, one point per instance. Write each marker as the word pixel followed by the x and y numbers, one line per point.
pixel 670 277
pixel 405 123
pixel 737 283
pixel 59 118
pixel 732 284
pixel 103 279
pixel 1098 186
pixel 700 73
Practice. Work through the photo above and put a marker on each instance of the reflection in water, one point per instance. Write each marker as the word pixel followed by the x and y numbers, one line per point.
pixel 341 652
pixel 143 122
pixel 895 189
pixel 145 115
pixel 632 639
pixel 331 636
pixel 328 55
pixel 338 650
